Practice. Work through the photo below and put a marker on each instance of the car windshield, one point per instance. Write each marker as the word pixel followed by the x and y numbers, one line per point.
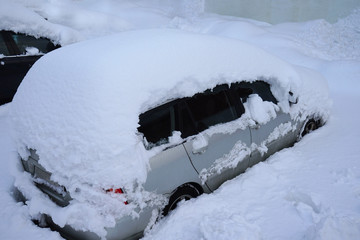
pixel 3 48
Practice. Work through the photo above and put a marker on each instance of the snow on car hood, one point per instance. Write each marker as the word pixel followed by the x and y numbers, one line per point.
pixel 78 106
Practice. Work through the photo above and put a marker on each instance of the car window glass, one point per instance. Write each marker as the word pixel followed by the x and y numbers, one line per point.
pixel 3 48
pixel 209 109
pixel 31 45
pixel 261 88
pixel 187 124
pixel 157 125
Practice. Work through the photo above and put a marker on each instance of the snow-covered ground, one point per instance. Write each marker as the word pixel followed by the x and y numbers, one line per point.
pixel 309 191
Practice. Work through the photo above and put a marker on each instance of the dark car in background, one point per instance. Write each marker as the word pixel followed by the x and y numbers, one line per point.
pixel 18 52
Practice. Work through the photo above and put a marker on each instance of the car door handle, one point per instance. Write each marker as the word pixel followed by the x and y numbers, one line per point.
pixel 199 150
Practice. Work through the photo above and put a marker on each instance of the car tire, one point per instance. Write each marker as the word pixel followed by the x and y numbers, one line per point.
pixel 310 126
pixel 184 192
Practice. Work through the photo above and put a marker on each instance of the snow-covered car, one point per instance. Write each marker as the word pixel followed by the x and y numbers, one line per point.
pixel 117 131
pixel 18 52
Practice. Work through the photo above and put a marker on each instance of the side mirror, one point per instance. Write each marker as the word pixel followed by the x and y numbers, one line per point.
pixel 292 98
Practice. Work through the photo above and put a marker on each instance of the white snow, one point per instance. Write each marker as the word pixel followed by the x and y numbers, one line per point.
pixel 230 160
pixel 278 132
pixel 32 51
pixel 308 191
pixel 69 21
pixel 259 110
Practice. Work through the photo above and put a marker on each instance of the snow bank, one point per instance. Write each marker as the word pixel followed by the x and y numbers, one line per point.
pixel 79 105
pixel 337 41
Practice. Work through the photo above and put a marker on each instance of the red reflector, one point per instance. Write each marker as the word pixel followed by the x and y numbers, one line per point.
pixel 118 191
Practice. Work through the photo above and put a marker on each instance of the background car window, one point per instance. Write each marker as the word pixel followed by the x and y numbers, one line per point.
pixel 3 48
pixel 209 109
pixel 23 42
pixel 157 125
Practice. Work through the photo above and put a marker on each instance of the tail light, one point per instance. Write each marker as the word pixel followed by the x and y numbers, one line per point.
pixel 117 191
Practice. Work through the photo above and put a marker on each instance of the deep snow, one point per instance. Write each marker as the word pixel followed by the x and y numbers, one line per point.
pixel 308 191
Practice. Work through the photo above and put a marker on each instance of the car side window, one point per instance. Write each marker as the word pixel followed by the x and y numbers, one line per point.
pixel 258 87
pixel 158 124
pixel 26 43
pixel 263 90
pixel 189 115
pixel 3 47
pixel 186 121
pixel 211 108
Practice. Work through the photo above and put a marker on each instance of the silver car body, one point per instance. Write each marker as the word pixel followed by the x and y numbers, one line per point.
pixel 182 164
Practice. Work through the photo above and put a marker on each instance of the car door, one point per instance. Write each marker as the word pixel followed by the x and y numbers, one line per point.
pixel 279 132
pixel 171 166
pixel 217 155
pixel 18 52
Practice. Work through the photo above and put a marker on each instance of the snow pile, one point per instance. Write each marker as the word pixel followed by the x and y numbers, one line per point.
pixel 93 144
pixel 337 41
pixel 16 214
pixel 189 9
pixel 260 111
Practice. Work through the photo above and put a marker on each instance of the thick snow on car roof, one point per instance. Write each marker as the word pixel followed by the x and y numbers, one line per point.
pixel 79 106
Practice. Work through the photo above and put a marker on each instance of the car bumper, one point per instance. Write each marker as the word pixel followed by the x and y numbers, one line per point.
pixel 125 228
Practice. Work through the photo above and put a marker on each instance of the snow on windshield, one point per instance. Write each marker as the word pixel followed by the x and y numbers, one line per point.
pixel 79 106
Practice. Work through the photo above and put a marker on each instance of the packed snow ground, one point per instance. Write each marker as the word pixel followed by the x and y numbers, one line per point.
pixel 309 191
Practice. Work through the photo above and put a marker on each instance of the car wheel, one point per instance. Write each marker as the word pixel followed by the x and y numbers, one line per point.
pixel 184 192
pixel 310 126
